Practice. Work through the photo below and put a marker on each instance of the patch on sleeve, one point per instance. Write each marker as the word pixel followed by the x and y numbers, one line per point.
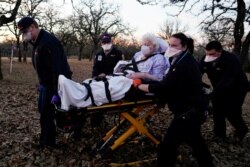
pixel 99 58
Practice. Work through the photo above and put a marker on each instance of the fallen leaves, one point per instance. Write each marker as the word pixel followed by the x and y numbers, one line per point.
pixel 20 129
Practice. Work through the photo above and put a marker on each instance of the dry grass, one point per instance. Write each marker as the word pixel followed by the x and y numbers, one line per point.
pixel 24 72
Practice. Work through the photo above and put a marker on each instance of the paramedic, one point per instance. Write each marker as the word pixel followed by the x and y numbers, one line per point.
pixel 106 59
pixel 49 61
pixel 104 63
pixel 181 88
pixel 230 86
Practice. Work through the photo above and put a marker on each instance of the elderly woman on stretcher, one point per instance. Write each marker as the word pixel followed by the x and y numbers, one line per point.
pixel 148 65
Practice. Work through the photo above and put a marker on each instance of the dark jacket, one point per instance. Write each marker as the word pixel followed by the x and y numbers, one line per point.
pixel 49 60
pixel 181 88
pixel 106 63
pixel 225 75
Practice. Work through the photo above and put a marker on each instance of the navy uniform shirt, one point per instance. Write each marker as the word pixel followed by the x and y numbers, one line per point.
pixel 225 74
pixel 106 63
pixel 49 60
pixel 181 88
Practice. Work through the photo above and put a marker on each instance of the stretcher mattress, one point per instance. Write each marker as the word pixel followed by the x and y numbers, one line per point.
pixel 75 94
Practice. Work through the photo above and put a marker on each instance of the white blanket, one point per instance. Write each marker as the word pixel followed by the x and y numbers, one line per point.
pixel 73 93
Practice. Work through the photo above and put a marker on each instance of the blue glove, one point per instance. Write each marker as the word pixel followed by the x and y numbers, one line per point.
pixel 55 99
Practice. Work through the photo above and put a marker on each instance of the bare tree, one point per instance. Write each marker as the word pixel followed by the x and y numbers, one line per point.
pixel 171 27
pixel 235 12
pixel 6 9
pixel 217 32
pixel 230 12
pixel 28 8
pixel 13 29
pixel 66 33
pixel 149 2
pixel 50 18
pixel 81 35
pixel 98 17
pixel 8 12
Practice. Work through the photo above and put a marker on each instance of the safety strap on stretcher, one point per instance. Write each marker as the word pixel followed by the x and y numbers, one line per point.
pixel 90 94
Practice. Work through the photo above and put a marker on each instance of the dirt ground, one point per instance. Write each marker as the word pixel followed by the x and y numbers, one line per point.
pixel 19 131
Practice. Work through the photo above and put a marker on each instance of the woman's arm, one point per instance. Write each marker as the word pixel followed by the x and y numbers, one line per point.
pixel 143 87
pixel 142 75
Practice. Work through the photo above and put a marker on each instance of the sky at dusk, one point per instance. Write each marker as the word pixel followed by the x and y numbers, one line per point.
pixel 142 18
pixel 145 18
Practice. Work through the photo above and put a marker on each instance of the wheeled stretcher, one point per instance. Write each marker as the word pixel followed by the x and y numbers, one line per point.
pixel 133 118
pixel 112 95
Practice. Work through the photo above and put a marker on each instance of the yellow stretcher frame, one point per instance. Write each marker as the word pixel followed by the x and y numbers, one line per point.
pixel 129 112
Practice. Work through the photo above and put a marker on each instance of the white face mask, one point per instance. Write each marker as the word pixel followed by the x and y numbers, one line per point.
pixel 170 52
pixel 27 36
pixel 210 58
pixel 106 47
pixel 145 50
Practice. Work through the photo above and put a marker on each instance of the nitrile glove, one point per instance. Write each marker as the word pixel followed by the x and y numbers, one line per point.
pixel 137 82
pixel 55 99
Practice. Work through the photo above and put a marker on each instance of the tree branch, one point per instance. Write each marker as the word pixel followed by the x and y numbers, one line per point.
pixel 5 20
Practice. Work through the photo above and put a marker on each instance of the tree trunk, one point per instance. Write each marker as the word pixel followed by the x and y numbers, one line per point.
pixel 239 26
pixel 19 54
pixel 244 53
pixel 19 50
pixel 1 74
pixel 80 53
pixel 93 52
pixel 25 51
pixel 5 20
pixel 25 56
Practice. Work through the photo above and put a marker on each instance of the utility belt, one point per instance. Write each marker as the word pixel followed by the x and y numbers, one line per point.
pixel 193 114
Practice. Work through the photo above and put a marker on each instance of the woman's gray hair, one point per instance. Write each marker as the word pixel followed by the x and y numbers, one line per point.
pixel 152 38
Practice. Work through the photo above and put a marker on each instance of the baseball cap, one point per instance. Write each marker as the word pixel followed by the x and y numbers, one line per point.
pixel 105 38
pixel 24 23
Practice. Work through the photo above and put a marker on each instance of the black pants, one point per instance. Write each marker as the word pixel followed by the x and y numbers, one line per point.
pixel 47 115
pixel 183 131
pixel 229 107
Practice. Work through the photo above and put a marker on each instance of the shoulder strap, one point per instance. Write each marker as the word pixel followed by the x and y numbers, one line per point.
pixel 134 63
